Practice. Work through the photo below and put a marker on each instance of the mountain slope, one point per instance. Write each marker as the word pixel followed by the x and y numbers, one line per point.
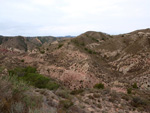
pixel 97 72
pixel 97 57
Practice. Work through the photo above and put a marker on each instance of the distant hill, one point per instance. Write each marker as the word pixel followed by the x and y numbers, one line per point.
pixel 24 43
pixel 68 36
pixel 95 56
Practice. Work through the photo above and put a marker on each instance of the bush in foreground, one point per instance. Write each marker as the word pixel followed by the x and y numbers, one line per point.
pixel 15 96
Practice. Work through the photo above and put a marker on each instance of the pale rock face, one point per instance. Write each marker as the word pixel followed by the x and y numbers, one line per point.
pixel 18 50
pixel 141 33
pixel 147 34
pixel 55 42
pixel 125 69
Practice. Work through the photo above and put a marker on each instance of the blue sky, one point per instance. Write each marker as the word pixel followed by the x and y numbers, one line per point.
pixel 72 17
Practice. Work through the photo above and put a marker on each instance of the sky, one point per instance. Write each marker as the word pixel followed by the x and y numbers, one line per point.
pixel 72 17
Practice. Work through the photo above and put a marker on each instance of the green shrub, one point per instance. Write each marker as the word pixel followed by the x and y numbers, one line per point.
pixel 89 51
pixel 30 69
pixel 75 92
pixel 135 86
pixel 129 90
pixel 63 93
pixel 32 101
pixel 99 86
pixel 15 97
pixel 76 42
pixel 95 39
pixel 36 80
pixel 1 69
pixel 66 103
pixel 86 49
pixel 42 52
pixel 103 39
pixel 52 86
pixel 82 44
pixel 60 45
pixel 138 102
pixel 30 76
pixel 22 60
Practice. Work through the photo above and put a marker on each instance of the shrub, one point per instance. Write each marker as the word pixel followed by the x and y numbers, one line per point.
pixel 63 93
pixel 30 69
pixel 82 44
pixel 60 45
pixel 95 39
pixel 66 103
pixel 75 92
pixel 22 60
pixel 129 90
pixel 91 97
pixel 99 86
pixel 103 38
pixel 75 42
pixel 86 49
pixel 17 107
pixel 15 97
pixel 52 85
pixel 1 69
pixel 135 86
pixel 42 52
pixel 36 80
pixel 137 102
pixel 30 76
pixel 89 51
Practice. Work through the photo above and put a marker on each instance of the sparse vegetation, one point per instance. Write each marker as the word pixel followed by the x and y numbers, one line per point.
pixel 103 39
pixel 89 51
pixel 75 42
pixel 135 86
pixel 129 90
pixel 95 39
pixel 82 44
pixel 42 52
pixel 22 60
pixel 99 86
pixel 63 93
pixel 1 69
pixel 140 103
pixel 75 92
pixel 66 103
pixel 60 45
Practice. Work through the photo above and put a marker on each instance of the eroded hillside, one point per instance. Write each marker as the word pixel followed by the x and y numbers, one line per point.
pixel 119 62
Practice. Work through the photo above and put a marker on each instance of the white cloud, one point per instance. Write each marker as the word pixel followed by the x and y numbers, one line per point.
pixel 43 2
pixel 55 17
